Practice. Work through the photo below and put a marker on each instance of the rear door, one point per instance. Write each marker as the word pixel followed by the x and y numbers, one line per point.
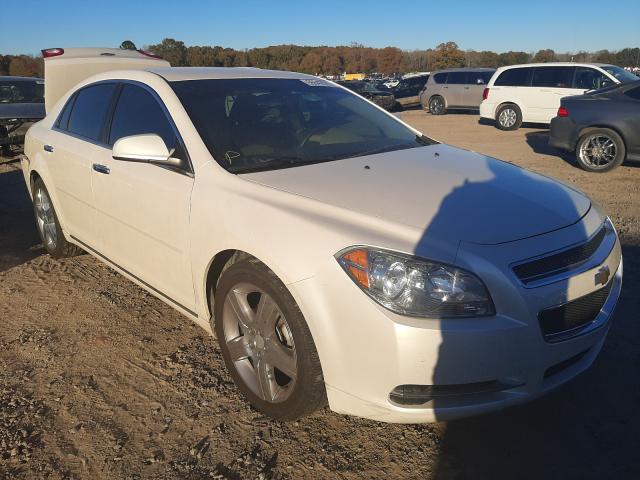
pixel 77 136
pixel 476 83
pixel 143 209
pixel 455 88
pixel 549 85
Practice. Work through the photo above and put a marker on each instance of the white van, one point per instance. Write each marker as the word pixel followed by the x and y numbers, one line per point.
pixel 532 92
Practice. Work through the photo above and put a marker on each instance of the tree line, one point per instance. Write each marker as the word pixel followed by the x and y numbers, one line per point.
pixel 324 60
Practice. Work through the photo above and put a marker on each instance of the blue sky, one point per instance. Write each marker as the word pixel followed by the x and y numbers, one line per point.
pixel 563 25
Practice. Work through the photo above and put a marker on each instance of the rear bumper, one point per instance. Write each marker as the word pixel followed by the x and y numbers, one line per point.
pixel 487 110
pixel 563 134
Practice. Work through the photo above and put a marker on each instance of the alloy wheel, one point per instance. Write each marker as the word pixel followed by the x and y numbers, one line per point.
pixel 45 219
pixel 507 117
pixel 259 342
pixel 598 151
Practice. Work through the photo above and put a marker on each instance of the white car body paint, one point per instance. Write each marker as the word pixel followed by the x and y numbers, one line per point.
pixel 162 230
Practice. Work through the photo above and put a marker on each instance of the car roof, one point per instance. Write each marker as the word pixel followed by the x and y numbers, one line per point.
pixel 464 69
pixel 557 64
pixel 176 74
pixel 21 79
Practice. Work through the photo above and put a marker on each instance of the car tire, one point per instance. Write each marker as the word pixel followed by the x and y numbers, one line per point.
pixel 600 150
pixel 437 105
pixel 508 117
pixel 53 239
pixel 270 355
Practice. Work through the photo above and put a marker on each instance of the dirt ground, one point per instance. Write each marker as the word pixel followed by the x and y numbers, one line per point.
pixel 98 379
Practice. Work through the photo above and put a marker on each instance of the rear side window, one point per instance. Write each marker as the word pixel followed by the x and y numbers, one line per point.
pixel 457 78
pixel 137 113
pixel 589 79
pixel 63 119
pixel 90 110
pixel 440 77
pixel 553 77
pixel 484 76
pixel 514 77
pixel 633 93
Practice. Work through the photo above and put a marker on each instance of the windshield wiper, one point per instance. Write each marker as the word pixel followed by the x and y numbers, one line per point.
pixel 272 164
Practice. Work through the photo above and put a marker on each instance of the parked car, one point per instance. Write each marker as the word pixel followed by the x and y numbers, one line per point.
pixel 602 127
pixel 456 88
pixel 532 92
pixel 21 101
pixel 337 253
pixel 370 91
pixel 407 91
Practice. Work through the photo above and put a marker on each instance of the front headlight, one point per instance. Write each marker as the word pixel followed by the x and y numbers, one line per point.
pixel 412 286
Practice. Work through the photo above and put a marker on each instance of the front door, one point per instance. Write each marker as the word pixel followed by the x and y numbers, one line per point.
pixel 142 210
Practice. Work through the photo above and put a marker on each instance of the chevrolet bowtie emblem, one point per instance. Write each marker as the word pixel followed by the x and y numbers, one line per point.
pixel 602 275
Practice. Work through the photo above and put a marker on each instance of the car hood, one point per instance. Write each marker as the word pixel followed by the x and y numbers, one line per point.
pixel 449 193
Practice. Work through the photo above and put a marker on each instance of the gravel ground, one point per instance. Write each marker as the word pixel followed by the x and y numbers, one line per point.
pixel 98 379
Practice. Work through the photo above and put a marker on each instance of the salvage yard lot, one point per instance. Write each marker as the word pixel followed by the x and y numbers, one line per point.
pixel 98 379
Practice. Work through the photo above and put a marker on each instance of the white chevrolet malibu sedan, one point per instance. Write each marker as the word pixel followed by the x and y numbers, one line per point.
pixel 338 255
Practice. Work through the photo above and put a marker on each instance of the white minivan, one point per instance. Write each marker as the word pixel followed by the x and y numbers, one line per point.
pixel 532 92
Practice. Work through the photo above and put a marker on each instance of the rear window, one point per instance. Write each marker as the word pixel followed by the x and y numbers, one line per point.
pixel 440 77
pixel 90 110
pixel 457 78
pixel 23 91
pixel 514 77
pixel 552 77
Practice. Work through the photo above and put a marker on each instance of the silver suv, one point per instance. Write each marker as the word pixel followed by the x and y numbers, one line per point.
pixel 455 88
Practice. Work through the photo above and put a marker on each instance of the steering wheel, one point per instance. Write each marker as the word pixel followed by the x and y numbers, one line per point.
pixel 317 129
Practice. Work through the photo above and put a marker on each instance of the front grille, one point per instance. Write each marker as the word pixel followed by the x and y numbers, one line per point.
pixel 559 262
pixel 573 315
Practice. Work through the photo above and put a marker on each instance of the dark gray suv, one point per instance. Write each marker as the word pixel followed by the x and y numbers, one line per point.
pixel 454 88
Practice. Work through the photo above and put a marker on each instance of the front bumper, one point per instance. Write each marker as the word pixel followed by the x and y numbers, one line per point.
pixel 367 351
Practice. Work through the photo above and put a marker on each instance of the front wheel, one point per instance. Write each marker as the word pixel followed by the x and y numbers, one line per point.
pixel 508 117
pixel 600 150
pixel 266 343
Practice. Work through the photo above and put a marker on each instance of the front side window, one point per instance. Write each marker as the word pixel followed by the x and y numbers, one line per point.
pixel 253 124
pixel 514 77
pixel 457 78
pixel 553 77
pixel 137 113
pixel 90 110
pixel 589 79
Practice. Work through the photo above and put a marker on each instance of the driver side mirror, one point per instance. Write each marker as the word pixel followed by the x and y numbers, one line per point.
pixel 147 148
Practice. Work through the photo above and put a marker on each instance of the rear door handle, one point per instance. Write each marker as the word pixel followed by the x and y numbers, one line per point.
pixel 101 168
pixel 48 148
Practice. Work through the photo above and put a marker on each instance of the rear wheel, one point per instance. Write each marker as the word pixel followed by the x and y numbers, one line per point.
pixel 508 117
pixel 600 150
pixel 266 343
pixel 437 105
pixel 48 225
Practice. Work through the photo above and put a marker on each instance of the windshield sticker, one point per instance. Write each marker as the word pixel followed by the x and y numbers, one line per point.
pixel 316 82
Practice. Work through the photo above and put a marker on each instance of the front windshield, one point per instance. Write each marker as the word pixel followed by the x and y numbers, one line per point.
pixel 621 74
pixel 253 124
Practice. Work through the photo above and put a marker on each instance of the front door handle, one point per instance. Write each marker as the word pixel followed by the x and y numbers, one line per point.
pixel 48 148
pixel 101 168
